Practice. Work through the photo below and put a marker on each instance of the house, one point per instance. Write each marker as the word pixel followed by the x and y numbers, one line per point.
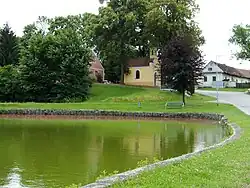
pixel 143 71
pixel 230 76
pixel 96 69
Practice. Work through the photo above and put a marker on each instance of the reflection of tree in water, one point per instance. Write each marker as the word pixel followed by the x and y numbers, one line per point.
pixel 116 153
pixel 210 136
pixel 113 153
pixel 137 140
pixel 65 154
pixel 44 152
pixel 9 150
pixel 176 143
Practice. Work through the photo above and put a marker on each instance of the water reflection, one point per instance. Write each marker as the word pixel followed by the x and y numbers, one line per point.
pixel 13 179
pixel 56 153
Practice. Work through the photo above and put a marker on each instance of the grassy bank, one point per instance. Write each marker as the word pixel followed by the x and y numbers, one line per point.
pixel 225 89
pixel 228 166
pixel 119 98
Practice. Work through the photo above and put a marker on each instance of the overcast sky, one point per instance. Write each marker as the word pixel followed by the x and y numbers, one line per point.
pixel 216 20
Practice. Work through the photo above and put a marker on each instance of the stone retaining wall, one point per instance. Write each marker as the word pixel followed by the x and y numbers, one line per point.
pixel 207 116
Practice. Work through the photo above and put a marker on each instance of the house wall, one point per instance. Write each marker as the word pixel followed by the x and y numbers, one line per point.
pixel 212 70
pixel 146 76
pixel 237 79
pixel 210 82
pixel 220 77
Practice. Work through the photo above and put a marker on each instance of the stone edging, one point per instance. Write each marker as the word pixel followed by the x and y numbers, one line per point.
pixel 108 181
pixel 106 113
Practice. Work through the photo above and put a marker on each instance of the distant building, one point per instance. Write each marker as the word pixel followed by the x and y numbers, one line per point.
pixel 143 71
pixel 220 72
pixel 96 69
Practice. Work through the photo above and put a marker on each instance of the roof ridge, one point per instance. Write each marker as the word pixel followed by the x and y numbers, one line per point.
pixel 230 66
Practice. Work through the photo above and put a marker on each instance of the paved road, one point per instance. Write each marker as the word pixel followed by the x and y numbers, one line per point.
pixel 238 99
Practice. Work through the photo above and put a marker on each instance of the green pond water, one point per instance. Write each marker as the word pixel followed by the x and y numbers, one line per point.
pixel 58 153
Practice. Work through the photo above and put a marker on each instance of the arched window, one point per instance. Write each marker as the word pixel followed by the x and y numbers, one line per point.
pixel 137 74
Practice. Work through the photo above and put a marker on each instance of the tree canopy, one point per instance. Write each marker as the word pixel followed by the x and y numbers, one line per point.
pixel 181 64
pixel 125 29
pixel 54 66
pixel 50 62
pixel 53 63
pixel 241 38
pixel 9 49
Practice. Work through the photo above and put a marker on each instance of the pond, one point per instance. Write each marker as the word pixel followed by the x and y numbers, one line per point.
pixel 58 153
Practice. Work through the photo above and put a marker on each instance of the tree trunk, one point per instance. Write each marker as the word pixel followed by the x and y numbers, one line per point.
pixel 183 97
pixel 123 59
pixel 122 74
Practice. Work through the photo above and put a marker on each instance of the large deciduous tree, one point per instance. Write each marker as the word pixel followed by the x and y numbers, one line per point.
pixel 241 38
pixel 181 64
pixel 169 18
pixel 125 25
pixel 9 49
pixel 118 35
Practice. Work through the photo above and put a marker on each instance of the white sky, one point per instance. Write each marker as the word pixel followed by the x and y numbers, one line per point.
pixel 216 20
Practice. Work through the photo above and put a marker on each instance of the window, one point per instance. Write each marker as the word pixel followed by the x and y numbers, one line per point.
pixel 205 79
pixel 210 69
pixel 214 78
pixel 137 74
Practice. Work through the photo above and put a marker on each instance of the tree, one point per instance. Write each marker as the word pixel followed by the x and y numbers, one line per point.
pixel 122 30
pixel 181 64
pixel 118 35
pixel 241 38
pixel 54 66
pixel 9 49
pixel 10 86
pixel 75 22
pixel 169 18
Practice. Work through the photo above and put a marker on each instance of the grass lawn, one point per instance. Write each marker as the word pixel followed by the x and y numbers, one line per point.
pixel 123 98
pixel 225 89
pixel 228 166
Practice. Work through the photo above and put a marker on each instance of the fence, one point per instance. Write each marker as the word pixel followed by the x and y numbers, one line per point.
pixel 242 85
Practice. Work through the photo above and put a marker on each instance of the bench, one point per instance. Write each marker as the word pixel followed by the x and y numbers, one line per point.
pixel 174 105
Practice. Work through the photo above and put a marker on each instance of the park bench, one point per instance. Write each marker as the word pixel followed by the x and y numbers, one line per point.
pixel 174 104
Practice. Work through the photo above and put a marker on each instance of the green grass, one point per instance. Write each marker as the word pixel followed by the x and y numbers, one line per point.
pixel 228 166
pixel 124 98
pixel 225 89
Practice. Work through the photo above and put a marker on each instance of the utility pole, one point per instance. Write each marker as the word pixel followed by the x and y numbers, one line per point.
pixel 217 83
